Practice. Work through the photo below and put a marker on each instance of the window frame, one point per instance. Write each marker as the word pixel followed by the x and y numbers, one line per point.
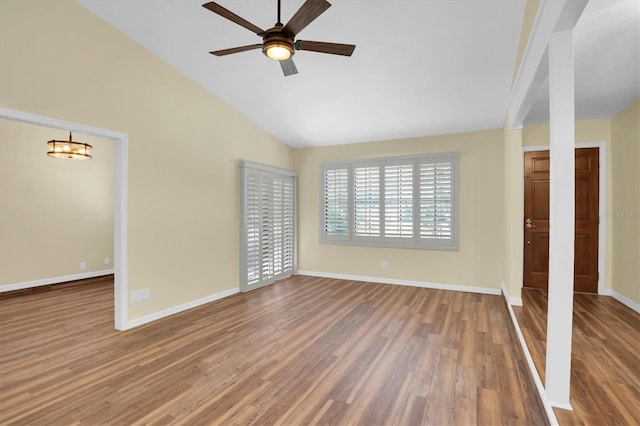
pixel 415 241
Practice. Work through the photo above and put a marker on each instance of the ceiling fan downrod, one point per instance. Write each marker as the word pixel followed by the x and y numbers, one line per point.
pixel 279 22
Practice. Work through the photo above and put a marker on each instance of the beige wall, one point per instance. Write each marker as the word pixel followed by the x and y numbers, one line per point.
pixel 477 263
pixel 512 267
pixel 184 144
pixel 54 213
pixel 624 214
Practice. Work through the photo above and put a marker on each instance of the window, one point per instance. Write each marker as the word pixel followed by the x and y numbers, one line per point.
pixel 393 201
pixel 267 234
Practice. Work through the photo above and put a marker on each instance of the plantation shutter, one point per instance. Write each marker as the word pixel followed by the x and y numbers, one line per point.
pixel 398 201
pixel 437 199
pixel 335 203
pixel 252 226
pixel 366 202
pixel 268 225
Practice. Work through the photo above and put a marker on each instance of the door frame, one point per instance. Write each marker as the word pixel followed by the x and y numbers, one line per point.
pixel 602 204
pixel 120 199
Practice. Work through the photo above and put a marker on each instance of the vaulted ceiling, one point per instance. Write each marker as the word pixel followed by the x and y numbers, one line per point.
pixel 420 67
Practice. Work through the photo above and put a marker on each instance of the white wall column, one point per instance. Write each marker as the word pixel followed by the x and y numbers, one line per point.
pixel 561 217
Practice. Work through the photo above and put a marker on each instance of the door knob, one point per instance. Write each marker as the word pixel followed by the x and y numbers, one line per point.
pixel 529 225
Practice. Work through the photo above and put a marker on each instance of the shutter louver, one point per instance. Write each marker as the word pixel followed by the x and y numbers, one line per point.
pixel 366 198
pixel 278 225
pixel 436 200
pixel 288 224
pixel 398 201
pixel 266 226
pixel 252 230
pixel 336 202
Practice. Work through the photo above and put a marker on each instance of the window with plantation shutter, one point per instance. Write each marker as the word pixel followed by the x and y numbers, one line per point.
pixel 267 229
pixel 408 201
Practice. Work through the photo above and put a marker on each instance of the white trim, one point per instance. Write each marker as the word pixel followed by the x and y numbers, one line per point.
pixel 513 301
pixel 267 168
pixel 120 198
pixel 625 300
pixel 535 148
pixel 567 407
pixel 54 280
pixel 180 308
pixel 548 406
pixel 553 15
pixel 602 207
pixel 421 284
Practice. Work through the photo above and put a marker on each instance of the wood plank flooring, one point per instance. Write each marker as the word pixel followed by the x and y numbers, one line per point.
pixel 302 351
pixel 605 376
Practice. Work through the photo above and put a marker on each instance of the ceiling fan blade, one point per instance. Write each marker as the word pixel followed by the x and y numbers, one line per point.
pixel 225 13
pixel 322 47
pixel 225 52
pixel 288 67
pixel 307 13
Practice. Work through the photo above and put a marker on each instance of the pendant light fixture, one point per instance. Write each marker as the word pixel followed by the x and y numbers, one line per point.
pixel 69 149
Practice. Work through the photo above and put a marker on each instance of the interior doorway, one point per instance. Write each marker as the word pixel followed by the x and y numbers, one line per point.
pixel 120 199
pixel 536 219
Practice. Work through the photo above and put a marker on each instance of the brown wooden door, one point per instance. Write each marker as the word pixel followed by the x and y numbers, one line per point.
pixel 536 220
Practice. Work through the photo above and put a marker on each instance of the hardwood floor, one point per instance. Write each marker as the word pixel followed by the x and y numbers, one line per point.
pixel 302 351
pixel 605 377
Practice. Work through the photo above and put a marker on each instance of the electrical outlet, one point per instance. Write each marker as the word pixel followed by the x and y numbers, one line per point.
pixel 83 266
pixel 385 265
pixel 140 295
pixel 107 260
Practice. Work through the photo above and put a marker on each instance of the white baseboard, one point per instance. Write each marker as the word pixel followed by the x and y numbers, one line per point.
pixel 626 301
pixel 54 280
pixel 513 301
pixel 548 406
pixel 454 287
pixel 175 309
pixel 562 406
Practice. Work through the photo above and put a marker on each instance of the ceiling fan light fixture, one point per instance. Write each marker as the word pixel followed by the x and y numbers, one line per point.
pixel 277 46
pixel 69 149
pixel 278 52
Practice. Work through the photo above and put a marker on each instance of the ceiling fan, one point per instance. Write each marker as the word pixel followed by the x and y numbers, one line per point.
pixel 278 42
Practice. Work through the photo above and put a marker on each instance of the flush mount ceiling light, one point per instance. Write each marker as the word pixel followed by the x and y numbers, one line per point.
pixel 69 149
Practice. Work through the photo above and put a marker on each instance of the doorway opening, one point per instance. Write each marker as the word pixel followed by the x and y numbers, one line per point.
pixel 120 198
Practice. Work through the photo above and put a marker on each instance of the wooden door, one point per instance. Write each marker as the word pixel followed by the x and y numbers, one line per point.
pixel 536 220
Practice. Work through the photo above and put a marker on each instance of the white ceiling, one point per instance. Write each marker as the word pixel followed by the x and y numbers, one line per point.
pixel 607 61
pixel 421 67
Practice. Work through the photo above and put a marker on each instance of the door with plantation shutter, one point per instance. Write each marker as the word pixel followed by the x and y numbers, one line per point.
pixel 267 226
